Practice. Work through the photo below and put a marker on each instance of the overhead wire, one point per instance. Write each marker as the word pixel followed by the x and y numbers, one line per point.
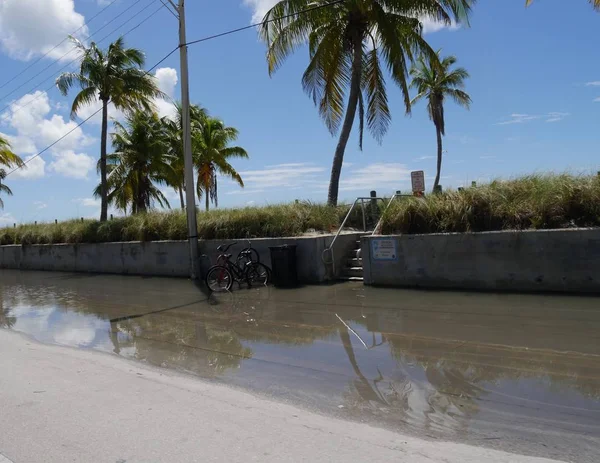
pixel 335 2
pixel 17 108
pixel 56 46
pixel 3 98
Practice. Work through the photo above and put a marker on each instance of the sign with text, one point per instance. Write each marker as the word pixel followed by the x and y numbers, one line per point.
pixel 418 181
pixel 384 249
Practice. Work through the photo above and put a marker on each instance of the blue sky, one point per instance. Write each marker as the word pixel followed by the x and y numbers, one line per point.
pixel 535 74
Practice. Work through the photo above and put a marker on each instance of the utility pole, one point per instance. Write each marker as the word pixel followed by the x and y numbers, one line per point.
pixel 190 194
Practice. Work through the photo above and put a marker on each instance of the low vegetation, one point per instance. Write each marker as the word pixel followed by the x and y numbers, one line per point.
pixel 531 202
pixel 272 221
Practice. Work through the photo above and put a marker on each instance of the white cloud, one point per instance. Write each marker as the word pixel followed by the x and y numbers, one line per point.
pixel 260 8
pixel 376 176
pixel 556 117
pixel 36 128
pixel 71 164
pixel 167 81
pixel 33 27
pixel 35 168
pixel 595 83
pixel 87 202
pixel 423 158
pixel 517 118
pixel 431 25
pixel 40 205
pixel 245 191
pixel 6 219
pixel 487 156
pixel 597 100
pixel 281 175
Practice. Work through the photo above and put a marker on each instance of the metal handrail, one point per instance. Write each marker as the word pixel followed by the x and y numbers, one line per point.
pixel 329 249
pixel 396 195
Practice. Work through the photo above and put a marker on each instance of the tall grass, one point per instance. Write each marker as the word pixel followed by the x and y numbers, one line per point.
pixel 254 222
pixel 531 202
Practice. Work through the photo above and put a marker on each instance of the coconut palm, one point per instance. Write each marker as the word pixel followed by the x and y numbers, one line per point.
pixel 7 159
pixel 140 163
pixel 434 79
pixel 211 151
pixel 112 75
pixel 595 3
pixel 174 131
pixel 350 43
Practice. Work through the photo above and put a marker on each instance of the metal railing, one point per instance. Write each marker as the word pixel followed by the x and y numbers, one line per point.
pixel 360 200
pixel 328 251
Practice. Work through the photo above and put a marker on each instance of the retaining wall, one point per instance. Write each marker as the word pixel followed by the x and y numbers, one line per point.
pixel 167 258
pixel 550 260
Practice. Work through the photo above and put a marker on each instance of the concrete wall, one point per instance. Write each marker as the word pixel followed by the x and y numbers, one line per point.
pixel 164 258
pixel 553 260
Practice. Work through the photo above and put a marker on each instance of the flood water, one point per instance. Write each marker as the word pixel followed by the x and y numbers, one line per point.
pixel 516 372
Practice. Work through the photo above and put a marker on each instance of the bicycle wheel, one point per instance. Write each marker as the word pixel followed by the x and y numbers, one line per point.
pixel 257 274
pixel 219 279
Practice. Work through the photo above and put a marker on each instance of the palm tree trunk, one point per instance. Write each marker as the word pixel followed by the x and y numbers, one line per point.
pixel 338 158
pixel 439 158
pixel 103 183
pixel 181 197
pixel 206 199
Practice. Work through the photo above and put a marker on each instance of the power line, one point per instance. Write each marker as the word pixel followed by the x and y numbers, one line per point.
pixel 162 60
pixel 3 98
pixel 171 53
pixel 18 108
pixel 251 26
pixel 56 46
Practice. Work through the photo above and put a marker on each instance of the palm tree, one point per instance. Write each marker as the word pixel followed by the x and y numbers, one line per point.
pixel 595 3
pixel 140 161
pixel 211 151
pixel 349 45
pixel 174 131
pixel 111 75
pixel 435 81
pixel 7 159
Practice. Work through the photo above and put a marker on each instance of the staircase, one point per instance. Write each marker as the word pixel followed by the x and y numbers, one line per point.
pixel 353 270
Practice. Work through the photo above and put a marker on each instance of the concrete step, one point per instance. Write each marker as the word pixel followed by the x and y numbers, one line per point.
pixel 352 271
pixel 344 278
pixel 354 262
pixel 352 254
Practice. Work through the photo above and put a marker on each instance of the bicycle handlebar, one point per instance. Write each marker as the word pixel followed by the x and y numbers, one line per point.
pixel 226 248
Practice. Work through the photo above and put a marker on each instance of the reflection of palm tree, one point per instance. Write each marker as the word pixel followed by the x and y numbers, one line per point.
pixel 363 386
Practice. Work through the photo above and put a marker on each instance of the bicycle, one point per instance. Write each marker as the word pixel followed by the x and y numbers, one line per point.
pixel 220 277
pixel 250 254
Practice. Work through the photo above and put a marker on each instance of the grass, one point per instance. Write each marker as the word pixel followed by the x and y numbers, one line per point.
pixel 531 202
pixel 255 222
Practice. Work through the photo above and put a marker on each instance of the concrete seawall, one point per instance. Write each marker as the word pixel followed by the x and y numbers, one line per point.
pixel 552 260
pixel 167 258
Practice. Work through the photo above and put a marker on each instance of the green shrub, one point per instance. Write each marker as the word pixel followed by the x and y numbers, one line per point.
pixel 531 202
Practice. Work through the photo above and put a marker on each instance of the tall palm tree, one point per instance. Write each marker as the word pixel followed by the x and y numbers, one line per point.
pixel 139 163
pixel 595 3
pixel 7 159
pixel 435 81
pixel 111 75
pixel 349 45
pixel 174 131
pixel 211 151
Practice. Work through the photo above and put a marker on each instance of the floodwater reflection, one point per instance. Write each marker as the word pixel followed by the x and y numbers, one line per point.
pixel 508 371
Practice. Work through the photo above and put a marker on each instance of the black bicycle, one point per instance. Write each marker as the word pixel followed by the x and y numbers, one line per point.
pixel 220 277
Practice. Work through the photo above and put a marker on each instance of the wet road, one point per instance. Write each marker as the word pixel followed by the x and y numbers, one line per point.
pixel 515 372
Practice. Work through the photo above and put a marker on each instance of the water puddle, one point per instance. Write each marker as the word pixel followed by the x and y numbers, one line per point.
pixel 520 373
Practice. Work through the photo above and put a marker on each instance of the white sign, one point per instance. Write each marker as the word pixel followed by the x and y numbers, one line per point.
pixel 384 249
pixel 418 181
